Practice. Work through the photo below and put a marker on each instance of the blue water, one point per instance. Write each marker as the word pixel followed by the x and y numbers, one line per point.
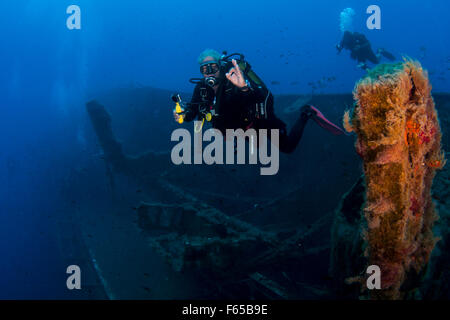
pixel 48 72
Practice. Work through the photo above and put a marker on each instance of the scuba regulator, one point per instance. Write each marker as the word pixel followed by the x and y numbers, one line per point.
pixel 211 81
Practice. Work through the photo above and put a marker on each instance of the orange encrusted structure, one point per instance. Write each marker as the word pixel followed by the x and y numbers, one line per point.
pixel 399 140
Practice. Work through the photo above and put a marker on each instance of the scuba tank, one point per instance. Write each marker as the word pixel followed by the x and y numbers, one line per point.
pixel 262 108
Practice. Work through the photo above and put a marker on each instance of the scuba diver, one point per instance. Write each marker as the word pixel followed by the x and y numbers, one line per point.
pixel 361 49
pixel 232 96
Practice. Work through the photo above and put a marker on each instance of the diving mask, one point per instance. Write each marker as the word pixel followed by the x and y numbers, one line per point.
pixel 209 67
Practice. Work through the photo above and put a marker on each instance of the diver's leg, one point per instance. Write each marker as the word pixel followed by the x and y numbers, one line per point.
pixel 365 53
pixel 383 52
pixel 363 66
pixel 372 57
pixel 288 142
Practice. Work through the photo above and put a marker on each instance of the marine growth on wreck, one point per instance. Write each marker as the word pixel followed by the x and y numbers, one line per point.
pixel 399 141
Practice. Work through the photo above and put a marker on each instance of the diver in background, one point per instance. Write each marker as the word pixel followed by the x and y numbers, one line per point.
pixel 361 50
pixel 233 100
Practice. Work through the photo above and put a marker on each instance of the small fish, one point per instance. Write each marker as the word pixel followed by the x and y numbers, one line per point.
pixel 275 82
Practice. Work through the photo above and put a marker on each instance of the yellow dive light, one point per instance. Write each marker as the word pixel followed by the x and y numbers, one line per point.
pixel 179 111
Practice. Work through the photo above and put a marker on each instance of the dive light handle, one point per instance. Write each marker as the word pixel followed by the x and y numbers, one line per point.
pixel 178 109
pixel 180 112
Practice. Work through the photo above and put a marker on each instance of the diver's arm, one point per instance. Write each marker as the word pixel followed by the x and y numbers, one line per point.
pixel 246 90
pixel 340 46
pixel 191 110
pixel 252 93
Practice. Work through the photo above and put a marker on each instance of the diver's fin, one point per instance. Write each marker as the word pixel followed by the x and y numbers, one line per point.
pixel 320 119
pixel 363 66
pixel 386 54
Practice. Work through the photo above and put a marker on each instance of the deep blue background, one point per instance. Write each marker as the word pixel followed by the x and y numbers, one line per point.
pixel 48 72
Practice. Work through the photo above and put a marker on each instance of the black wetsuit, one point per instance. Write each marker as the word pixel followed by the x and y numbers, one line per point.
pixel 359 47
pixel 236 109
